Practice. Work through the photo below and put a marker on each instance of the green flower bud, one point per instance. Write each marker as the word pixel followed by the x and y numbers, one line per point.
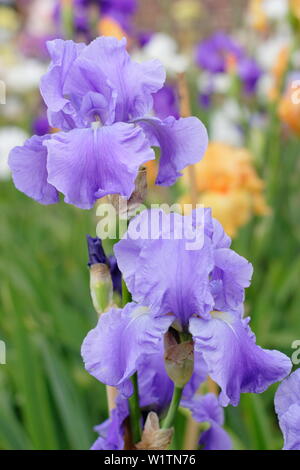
pixel 101 287
pixel 179 358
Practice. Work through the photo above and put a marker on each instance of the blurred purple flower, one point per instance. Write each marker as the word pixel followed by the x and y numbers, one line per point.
pixel 144 37
pixel 215 53
pixel 120 10
pixel 101 100
pixel 205 99
pixel 287 405
pixel 212 53
pixel 249 72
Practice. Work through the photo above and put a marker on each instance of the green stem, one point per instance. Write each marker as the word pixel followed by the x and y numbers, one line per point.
pixel 68 19
pixel 135 412
pixel 170 418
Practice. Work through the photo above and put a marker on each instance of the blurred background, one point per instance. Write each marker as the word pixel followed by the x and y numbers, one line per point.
pixel 240 62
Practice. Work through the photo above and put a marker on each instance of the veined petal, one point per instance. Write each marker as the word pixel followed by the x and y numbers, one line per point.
pixel 231 275
pixel 182 142
pixel 113 350
pixel 159 269
pixel 87 164
pixel 28 165
pixel 134 83
pixel 287 406
pixel 92 89
pixel 290 426
pixel 63 53
pixel 234 361
pixel 288 393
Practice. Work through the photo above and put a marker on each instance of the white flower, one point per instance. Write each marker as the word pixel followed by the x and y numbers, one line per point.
pixel 163 47
pixel 264 85
pixel 275 9
pixel 224 125
pixel 24 76
pixel 267 52
pixel 219 82
pixel 40 18
pixel 10 137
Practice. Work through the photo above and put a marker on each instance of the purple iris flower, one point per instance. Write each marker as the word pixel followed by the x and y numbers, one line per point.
pixel 287 405
pixel 213 53
pixel 81 20
pixel 97 255
pixel 249 72
pixel 101 100
pixel 199 291
pixel 155 393
pixel 120 10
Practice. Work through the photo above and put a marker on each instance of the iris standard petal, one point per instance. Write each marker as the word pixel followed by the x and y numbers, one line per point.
pixel 63 53
pixel 159 269
pixel 113 350
pixel 134 83
pixel 28 165
pixel 234 361
pixel 182 142
pixel 87 164
pixel 91 90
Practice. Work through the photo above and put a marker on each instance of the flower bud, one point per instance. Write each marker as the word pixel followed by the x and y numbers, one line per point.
pixel 101 284
pixel 101 287
pixel 179 359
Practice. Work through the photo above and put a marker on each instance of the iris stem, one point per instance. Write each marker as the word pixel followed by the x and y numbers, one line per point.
pixel 171 415
pixel 68 18
pixel 135 412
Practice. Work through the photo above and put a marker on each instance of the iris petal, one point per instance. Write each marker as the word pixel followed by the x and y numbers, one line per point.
pixel 87 164
pixel 182 142
pixel 234 361
pixel 28 165
pixel 121 339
